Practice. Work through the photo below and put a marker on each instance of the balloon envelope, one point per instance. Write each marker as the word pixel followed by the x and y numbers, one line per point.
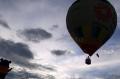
pixel 91 23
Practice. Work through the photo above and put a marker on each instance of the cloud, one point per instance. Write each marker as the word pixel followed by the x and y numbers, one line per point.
pixel 35 34
pixel 4 24
pixel 12 48
pixel 24 74
pixel 21 55
pixel 58 52
pixel 47 67
pixel 61 52
pixel 101 71
pixel 54 27
pixel 106 72
pixel 18 53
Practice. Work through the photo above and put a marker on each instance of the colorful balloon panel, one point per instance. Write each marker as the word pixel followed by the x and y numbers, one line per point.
pixel 91 23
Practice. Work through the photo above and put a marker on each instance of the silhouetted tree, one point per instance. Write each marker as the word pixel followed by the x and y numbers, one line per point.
pixel 4 68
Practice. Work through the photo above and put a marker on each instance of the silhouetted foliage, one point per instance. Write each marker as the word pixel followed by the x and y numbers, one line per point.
pixel 4 68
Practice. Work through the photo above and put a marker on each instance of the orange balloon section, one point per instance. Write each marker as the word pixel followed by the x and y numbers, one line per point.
pixel 91 23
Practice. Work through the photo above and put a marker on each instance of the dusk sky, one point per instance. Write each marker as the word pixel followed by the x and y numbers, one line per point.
pixel 34 36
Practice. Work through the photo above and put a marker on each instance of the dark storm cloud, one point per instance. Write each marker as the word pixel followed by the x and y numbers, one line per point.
pixel 8 47
pixel 58 52
pixel 19 54
pixel 4 24
pixel 35 35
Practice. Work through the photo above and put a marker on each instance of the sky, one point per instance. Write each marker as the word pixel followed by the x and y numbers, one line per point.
pixel 34 36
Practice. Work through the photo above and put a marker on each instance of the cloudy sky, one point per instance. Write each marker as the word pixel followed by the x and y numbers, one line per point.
pixel 33 35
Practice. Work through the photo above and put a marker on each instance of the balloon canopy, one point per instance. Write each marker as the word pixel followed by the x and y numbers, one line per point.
pixel 91 23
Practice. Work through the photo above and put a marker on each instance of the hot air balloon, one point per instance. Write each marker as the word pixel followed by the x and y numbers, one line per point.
pixel 91 23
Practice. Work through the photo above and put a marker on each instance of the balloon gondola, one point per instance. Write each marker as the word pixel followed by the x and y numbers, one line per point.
pixel 91 23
